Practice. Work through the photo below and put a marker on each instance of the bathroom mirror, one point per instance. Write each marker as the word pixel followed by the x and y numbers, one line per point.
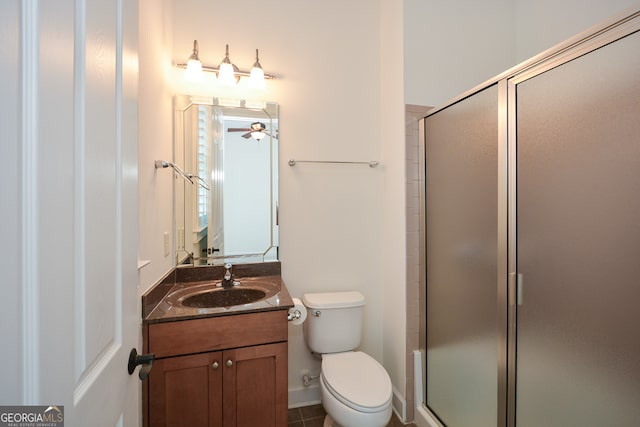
pixel 230 211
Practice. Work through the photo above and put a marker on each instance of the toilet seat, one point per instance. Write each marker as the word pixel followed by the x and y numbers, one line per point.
pixel 357 380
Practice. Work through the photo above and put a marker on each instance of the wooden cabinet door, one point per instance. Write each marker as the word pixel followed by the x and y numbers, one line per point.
pixel 186 391
pixel 255 386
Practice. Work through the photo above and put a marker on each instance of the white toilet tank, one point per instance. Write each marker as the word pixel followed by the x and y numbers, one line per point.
pixel 334 322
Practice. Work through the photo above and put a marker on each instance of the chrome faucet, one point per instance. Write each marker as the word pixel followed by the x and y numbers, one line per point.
pixel 227 280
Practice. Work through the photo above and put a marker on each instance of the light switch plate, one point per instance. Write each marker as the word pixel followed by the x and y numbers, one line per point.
pixel 165 237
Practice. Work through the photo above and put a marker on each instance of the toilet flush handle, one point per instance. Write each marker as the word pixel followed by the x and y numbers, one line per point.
pixel 316 313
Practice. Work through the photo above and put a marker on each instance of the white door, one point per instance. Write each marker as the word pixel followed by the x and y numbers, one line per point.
pixel 70 136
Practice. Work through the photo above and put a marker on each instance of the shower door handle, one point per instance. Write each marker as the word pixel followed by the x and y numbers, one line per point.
pixel 516 283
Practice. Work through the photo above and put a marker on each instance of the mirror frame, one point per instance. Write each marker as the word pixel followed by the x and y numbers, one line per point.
pixel 269 110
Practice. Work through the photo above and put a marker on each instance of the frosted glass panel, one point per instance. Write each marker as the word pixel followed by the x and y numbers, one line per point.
pixel 461 234
pixel 578 224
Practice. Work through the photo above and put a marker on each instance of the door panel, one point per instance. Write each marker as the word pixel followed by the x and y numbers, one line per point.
pixel 186 391
pixel 256 386
pixel 461 267
pixel 578 204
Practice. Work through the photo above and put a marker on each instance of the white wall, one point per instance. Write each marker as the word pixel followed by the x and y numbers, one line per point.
pixel 393 244
pixel 542 24
pixel 451 47
pixel 155 187
pixel 327 57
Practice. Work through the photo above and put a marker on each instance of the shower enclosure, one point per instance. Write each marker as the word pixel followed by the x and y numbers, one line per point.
pixel 532 220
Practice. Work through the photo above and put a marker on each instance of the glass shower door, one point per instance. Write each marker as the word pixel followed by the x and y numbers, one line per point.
pixel 578 241
pixel 461 168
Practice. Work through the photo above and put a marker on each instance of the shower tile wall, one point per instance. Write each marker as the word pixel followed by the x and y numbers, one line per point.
pixel 413 113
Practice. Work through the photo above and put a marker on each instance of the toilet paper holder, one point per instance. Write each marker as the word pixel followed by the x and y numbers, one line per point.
pixel 293 315
pixel 298 313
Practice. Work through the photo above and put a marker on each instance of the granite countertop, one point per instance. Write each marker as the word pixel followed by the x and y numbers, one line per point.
pixel 163 302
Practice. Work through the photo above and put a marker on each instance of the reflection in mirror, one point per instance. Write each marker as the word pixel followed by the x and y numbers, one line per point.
pixel 234 150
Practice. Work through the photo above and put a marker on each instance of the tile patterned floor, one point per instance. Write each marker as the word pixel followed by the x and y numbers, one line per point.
pixel 313 416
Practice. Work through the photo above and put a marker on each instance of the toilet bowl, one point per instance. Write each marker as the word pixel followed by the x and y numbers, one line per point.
pixel 355 389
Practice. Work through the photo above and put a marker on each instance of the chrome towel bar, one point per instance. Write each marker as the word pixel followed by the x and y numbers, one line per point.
pixel 372 163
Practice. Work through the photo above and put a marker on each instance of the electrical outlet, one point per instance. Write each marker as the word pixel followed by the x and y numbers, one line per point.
pixel 165 237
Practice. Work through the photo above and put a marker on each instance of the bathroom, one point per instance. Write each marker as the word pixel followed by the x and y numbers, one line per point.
pixel 342 227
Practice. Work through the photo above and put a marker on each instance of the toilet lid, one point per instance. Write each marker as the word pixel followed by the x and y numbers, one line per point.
pixel 357 380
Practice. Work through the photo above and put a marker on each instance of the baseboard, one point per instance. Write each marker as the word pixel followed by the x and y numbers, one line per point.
pixel 304 396
pixel 399 405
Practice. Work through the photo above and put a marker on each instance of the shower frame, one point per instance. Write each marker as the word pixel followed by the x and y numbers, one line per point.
pixel 507 282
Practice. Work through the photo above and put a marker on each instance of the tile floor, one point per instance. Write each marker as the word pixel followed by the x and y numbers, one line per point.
pixel 313 416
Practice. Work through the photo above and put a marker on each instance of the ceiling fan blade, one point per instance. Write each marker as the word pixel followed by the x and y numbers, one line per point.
pixel 238 129
pixel 247 135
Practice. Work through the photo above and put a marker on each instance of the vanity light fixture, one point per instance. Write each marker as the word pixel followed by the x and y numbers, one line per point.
pixel 194 66
pixel 227 72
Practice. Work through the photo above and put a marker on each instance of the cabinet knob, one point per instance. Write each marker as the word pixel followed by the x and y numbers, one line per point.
pixel 229 362
pixel 215 365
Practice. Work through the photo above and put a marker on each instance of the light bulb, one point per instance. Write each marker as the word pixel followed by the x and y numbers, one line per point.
pixel 226 71
pixel 225 74
pixel 194 66
pixel 256 78
pixel 258 135
pixel 194 71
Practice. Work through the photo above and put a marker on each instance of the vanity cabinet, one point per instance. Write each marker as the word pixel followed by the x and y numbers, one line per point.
pixel 223 371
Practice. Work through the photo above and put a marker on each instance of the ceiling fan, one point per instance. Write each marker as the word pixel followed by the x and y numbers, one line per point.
pixel 257 130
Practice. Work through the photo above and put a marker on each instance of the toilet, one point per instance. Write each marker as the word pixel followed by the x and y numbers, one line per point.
pixel 355 388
